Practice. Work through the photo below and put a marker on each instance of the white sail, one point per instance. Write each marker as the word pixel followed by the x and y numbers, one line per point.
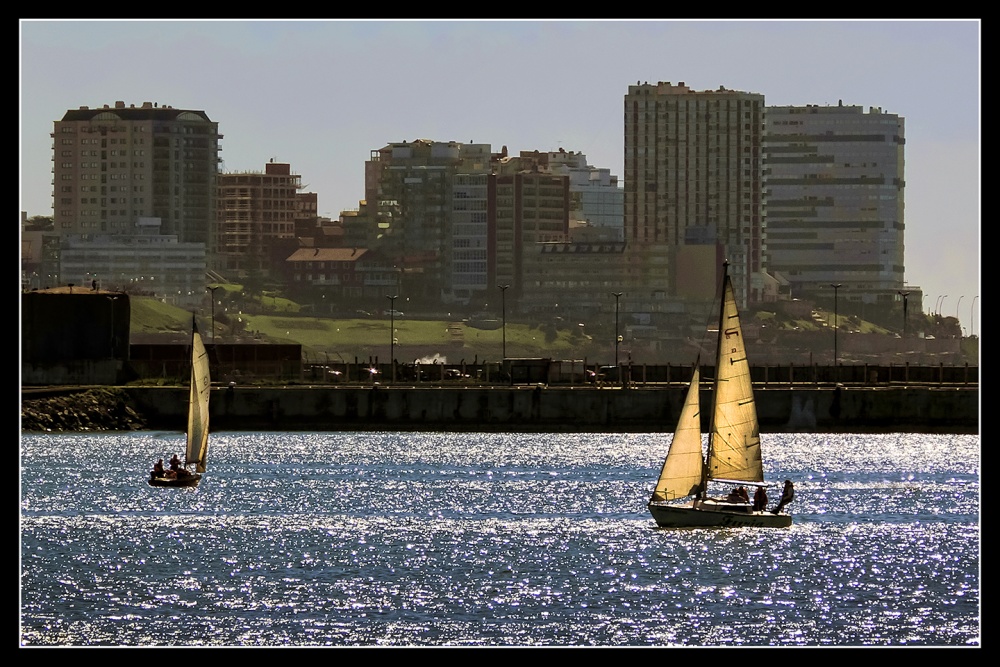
pixel 734 441
pixel 682 468
pixel 201 385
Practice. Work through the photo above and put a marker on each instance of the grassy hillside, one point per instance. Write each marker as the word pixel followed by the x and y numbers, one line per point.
pixel 349 338
pixel 346 339
pixel 150 316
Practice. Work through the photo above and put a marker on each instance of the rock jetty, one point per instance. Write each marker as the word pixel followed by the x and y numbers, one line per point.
pixel 104 409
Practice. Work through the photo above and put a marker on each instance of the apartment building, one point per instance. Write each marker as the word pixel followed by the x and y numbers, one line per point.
pixel 694 192
pixel 410 187
pixel 528 205
pixel 144 261
pixel 469 274
pixel 574 280
pixel 835 190
pixel 597 201
pixel 115 164
pixel 255 229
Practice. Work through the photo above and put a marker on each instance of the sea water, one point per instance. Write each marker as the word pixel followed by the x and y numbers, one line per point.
pixel 487 539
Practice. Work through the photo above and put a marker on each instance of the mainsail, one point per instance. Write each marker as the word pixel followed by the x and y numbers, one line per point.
pixel 201 385
pixel 734 439
pixel 682 468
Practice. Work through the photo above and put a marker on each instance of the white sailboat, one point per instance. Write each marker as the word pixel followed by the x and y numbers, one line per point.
pixel 733 456
pixel 196 450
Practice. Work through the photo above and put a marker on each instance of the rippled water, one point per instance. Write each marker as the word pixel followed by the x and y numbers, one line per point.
pixel 439 539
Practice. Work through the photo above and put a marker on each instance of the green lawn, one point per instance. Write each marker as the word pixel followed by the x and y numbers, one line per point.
pixel 349 338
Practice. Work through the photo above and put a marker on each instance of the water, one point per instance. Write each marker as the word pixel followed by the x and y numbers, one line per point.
pixel 441 539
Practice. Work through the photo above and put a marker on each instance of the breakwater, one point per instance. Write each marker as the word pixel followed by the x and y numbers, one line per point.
pixel 809 408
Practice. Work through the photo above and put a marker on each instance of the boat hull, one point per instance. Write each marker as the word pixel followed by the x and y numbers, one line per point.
pixel 190 480
pixel 669 515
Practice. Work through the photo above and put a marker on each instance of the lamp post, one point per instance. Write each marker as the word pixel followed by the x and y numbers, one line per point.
pixel 941 307
pixel 503 314
pixel 904 295
pixel 392 334
pixel 938 302
pixel 835 286
pixel 972 317
pixel 618 339
pixel 211 291
pixel 958 305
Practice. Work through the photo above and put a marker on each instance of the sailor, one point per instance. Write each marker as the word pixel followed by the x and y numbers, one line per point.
pixel 158 468
pixel 787 496
pixel 760 499
pixel 175 463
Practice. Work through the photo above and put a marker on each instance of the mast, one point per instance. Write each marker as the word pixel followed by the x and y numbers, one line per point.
pixel 715 380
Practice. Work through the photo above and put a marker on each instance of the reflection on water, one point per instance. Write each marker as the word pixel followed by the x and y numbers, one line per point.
pixel 392 539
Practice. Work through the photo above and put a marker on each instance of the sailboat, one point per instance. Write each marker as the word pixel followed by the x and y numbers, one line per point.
pixel 196 450
pixel 733 455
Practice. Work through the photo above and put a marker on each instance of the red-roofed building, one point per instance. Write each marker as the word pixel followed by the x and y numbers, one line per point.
pixel 339 278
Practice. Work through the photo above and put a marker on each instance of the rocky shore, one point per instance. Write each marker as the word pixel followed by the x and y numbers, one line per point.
pixel 103 409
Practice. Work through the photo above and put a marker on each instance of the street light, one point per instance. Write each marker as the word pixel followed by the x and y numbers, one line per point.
pixel 904 295
pixel 835 286
pixel 618 339
pixel 941 308
pixel 972 316
pixel 958 305
pixel 503 311
pixel 212 292
pixel 392 333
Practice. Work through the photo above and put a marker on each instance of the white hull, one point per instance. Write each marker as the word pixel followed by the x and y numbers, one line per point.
pixel 713 515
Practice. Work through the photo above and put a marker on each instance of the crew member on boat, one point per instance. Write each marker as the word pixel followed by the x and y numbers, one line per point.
pixel 175 463
pixel 158 470
pixel 787 496
pixel 760 499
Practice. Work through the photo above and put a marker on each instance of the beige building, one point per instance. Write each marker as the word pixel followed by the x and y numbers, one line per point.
pixel 693 180
pixel 115 164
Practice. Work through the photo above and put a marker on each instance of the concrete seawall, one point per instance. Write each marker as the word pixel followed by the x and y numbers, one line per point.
pixel 916 409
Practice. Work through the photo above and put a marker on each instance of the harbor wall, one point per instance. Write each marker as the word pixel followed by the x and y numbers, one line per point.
pixel 916 409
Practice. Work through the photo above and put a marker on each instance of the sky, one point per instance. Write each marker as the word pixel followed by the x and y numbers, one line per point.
pixel 322 94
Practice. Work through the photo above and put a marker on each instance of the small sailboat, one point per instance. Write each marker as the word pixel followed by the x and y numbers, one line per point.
pixel 733 456
pixel 197 425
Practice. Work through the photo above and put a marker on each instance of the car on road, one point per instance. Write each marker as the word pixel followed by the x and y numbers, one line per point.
pixel 394 313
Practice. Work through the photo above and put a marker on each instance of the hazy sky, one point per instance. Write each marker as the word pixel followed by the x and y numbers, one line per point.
pixel 321 95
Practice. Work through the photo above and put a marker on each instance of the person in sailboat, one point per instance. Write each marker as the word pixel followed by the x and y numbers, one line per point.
pixel 175 463
pixel 158 470
pixel 734 496
pixel 760 499
pixel 787 496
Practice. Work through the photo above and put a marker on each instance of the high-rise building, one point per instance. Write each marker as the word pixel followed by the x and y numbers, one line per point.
pixel 693 192
pixel 470 239
pixel 256 220
pixel 411 187
pixel 835 201
pixel 115 165
pixel 529 205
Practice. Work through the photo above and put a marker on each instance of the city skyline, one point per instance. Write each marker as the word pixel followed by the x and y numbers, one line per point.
pixel 321 95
